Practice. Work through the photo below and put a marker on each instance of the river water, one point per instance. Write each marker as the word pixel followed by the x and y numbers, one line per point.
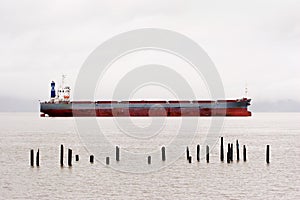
pixel 253 179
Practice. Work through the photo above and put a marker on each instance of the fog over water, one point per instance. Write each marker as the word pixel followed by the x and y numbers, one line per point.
pixel 254 43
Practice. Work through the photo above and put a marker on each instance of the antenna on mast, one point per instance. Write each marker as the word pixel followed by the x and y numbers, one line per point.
pixel 246 90
pixel 63 77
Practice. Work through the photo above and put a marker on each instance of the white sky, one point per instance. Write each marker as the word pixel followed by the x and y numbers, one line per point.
pixel 255 41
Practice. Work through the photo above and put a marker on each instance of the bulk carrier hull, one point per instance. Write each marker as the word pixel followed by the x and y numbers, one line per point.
pixel 237 107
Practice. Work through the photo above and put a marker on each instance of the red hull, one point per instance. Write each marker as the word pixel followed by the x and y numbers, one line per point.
pixel 171 112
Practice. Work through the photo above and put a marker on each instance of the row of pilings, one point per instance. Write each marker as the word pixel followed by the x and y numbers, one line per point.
pixel 229 154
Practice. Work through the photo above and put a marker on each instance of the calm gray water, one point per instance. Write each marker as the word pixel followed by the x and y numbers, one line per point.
pixel 253 179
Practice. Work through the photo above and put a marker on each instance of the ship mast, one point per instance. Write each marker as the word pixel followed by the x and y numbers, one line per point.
pixel 246 90
pixel 63 77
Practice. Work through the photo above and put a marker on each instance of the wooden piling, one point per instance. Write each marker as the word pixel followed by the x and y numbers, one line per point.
pixel 69 157
pixel 61 155
pixel 163 153
pixel 237 150
pixel 117 153
pixel 107 160
pixel 228 156
pixel 149 160
pixel 222 150
pixel 190 159
pixel 187 153
pixel 37 158
pixel 231 151
pixel 268 154
pixel 228 152
pixel 207 153
pixel 244 153
pixel 91 158
pixel 77 157
pixel 198 153
pixel 31 158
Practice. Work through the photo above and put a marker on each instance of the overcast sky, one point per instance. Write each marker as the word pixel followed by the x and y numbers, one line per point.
pixel 255 42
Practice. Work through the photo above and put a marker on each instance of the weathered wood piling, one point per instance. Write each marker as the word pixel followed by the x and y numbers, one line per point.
pixel 207 153
pixel 198 153
pixel 149 160
pixel 32 158
pixel 244 153
pixel 187 153
pixel 228 152
pixel 117 153
pixel 190 159
pixel 163 153
pixel 91 158
pixel 228 156
pixel 222 150
pixel 69 157
pixel 61 155
pixel 237 151
pixel 231 151
pixel 268 154
pixel 37 160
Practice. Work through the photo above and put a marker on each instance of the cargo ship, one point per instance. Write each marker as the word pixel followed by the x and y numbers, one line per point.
pixel 61 106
